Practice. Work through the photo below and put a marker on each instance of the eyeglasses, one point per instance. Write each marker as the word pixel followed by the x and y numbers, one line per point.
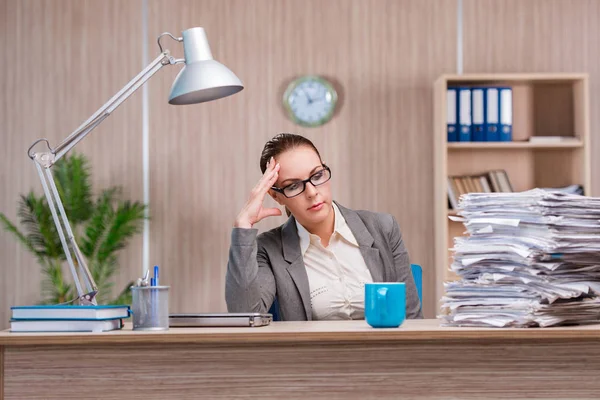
pixel 296 188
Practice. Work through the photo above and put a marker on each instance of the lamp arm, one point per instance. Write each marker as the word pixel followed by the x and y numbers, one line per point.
pixel 46 159
pixel 103 112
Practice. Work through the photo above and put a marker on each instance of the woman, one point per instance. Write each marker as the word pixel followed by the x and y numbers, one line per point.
pixel 318 261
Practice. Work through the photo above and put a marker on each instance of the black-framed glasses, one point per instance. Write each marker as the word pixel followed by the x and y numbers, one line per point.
pixel 296 188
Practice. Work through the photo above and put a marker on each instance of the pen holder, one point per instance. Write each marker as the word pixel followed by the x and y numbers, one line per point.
pixel 150 308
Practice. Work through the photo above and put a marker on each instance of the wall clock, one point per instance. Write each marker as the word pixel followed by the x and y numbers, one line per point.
pixel 310 100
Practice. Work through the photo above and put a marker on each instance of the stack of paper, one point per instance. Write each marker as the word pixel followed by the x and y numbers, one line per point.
pixel 528 259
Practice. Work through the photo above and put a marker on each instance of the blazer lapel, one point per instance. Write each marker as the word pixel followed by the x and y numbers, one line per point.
pixel 296 268
pixel 365 241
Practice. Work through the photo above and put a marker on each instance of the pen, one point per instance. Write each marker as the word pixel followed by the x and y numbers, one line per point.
pixel 153 306
pixel 155 298
pixel 156 275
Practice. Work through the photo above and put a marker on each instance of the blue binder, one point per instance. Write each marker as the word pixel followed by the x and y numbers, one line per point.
pixel 492 114
pixel 464 114
pixel 451 114
pixel 479 127
pixel 506 114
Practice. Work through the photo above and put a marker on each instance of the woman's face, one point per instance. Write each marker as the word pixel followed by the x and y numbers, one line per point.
pixel 312 206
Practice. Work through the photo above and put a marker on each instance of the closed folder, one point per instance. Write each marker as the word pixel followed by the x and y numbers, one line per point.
pixel 464 114
pixel 492 113
pixel 479 127
pixel 506 114
pixel 451 114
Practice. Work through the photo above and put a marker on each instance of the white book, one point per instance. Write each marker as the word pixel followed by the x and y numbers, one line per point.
pixel 553 139
pixel 70 312
pixel 65 325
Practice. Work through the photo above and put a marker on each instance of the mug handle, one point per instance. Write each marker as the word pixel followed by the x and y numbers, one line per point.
pixel 382 303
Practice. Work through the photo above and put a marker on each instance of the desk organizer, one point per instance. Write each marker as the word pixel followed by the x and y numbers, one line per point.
pixel 150 308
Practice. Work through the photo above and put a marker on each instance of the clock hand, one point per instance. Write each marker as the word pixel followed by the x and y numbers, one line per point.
pixel 310 100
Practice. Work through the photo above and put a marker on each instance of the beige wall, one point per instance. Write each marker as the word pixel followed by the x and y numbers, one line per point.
pixel 538 36
pixel 63 60
pixel 384 56
pixel 69 56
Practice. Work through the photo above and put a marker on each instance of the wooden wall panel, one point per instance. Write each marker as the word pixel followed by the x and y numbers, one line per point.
pixel 383 55
pixel 63 60
pixel 538 36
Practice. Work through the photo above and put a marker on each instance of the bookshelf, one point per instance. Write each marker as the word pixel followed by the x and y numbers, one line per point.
pixel 543 105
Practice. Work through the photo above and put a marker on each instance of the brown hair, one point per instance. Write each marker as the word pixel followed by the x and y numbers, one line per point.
pixel 281 143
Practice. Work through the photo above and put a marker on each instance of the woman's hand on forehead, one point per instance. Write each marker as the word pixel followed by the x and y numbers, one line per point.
pixel 253 211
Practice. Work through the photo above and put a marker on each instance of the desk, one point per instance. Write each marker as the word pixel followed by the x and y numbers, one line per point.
pixel 311 360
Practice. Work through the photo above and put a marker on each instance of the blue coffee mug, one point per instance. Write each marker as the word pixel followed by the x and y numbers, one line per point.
pixel 385 304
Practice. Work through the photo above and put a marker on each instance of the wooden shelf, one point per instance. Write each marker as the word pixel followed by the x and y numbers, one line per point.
pixel 554 104
pixel 512 78
pixel 512 145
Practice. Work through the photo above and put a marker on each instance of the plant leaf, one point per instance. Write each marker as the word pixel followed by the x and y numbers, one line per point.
pixel 10 227
pixel 54 288
pixel 99 224
pixel 72 178
pixel 102 273
pixel 126 222
pixel 34 214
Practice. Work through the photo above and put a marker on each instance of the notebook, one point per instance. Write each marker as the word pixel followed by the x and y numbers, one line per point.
pixel 65 325
pixel 54 312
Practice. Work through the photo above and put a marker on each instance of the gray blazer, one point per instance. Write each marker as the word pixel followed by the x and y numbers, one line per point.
pixel 261 267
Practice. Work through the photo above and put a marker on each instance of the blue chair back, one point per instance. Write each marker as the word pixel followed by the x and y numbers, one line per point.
pixel 417 273
pixel 275 310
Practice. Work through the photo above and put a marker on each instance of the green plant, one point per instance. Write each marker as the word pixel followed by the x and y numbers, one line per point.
pixel 101 226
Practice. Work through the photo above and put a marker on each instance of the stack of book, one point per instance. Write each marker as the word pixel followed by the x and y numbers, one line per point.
pixel 530 259
pixel 491 181
pixel 68 318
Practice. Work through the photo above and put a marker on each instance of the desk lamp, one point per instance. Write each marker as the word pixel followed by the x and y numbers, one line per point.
pixel 201 79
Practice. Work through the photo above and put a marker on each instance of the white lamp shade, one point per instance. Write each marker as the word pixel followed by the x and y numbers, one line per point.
pixel 202 78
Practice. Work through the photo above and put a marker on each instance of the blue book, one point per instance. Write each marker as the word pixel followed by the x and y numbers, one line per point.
pixel 69 312
pixel 451 114
pixel 506 114
pixel 492 113
pixel 479 127
pixel 464 114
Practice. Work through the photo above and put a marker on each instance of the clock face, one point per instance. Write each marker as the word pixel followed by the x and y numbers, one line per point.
pixel 310 101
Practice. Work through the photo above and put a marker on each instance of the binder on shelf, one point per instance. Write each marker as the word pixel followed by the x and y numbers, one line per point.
pixel 479 127
pixel 506 114
pixel 451 114
pixel 464 114
pixel 492 114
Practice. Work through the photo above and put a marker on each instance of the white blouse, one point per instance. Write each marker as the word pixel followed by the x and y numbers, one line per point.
pixel 336 274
